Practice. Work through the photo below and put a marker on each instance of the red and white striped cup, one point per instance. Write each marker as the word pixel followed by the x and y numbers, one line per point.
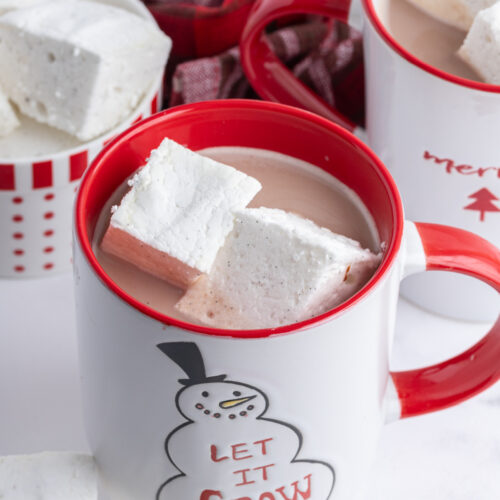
pixel 37 193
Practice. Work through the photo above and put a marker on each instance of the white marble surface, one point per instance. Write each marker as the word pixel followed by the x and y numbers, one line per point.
pixel 451 455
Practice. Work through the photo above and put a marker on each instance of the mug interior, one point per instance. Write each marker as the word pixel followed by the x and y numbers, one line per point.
pixel 376 13
pixel 252 124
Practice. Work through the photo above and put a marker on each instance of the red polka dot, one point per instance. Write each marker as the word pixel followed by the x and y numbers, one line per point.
pixel 18 251
pixel 19 269
pixel 49 197
pixel 48 249
pixel 48 266
pixel 48 233
pixel 17 218
pixel 48 215
pixel 18 236
pixel 17 200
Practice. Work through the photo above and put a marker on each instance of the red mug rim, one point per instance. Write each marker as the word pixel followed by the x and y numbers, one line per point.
pixel 397 47
pixel 391 252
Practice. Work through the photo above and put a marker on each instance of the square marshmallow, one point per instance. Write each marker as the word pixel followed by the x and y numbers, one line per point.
pixel 458 13
pixel 79 66
pixel 277 268
pixel 48 476
pixel 8 117
pixel 481 48
pixel 177 214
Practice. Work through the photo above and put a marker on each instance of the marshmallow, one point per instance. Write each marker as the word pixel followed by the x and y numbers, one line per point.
pixel 277 268
pixel 79 66
pixel 177 214
pixel 7 5
pixel 481 48
pixel 48 476
pixel 8 117
pixel 458 13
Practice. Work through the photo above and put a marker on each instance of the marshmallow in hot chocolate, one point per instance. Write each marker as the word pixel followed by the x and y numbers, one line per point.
pixel 177 214
pixel 79 66
pixel 8 117
pixel 48 476
pixel 277 268
pixel 481 48
pixel 458 13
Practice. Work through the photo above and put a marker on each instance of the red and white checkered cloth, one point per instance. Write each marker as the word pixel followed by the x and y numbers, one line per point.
pixel 326 56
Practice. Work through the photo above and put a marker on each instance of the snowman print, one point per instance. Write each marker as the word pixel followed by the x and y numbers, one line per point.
pixel 227 449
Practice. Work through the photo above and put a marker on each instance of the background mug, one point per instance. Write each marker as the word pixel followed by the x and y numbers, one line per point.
pixel 436 132
pixel 311 397
pixel 37 192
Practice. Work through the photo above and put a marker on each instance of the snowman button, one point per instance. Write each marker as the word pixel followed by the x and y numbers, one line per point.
pixel 205 394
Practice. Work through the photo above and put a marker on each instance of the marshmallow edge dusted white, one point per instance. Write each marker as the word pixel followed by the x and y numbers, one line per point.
pixel 481 48
pixel 275 269
pixel 8 5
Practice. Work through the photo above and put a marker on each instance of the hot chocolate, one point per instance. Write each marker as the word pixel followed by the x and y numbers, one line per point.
pixel 428 39
pixel 288 184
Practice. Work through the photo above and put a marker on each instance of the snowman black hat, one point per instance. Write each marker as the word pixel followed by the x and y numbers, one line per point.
pixel 188 356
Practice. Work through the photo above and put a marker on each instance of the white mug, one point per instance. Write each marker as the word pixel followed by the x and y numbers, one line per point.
pixel 176 411
pixel 437 134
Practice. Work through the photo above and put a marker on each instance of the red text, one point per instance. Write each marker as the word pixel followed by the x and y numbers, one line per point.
pixel 241 451
pixel 244 474
pixel 451 167
pixel 277 494
pixel 210 495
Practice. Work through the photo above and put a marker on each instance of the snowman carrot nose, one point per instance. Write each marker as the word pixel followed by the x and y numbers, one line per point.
pixel 231 403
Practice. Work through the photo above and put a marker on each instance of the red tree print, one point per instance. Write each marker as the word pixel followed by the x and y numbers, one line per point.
pixel 484 202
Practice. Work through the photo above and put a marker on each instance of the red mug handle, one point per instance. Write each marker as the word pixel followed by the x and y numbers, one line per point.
pixel 433 247
pixel 267 75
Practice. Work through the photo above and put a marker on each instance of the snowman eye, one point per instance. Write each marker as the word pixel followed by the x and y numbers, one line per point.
pixel 236 393
pixel 205 394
